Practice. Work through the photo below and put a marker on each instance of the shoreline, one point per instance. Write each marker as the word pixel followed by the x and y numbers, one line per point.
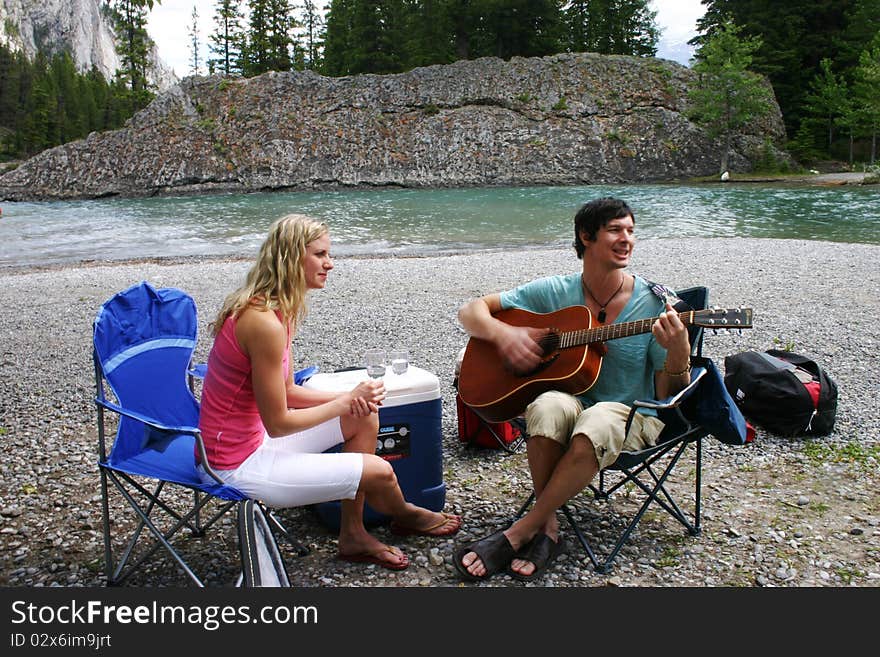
pixel 818 297
pixel 817 179
pixel 170 261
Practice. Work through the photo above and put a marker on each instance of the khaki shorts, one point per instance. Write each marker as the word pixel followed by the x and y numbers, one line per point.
pixel 559 416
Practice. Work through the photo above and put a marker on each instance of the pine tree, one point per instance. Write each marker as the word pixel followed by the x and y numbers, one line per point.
pixel 258 46
pixel 48 102
pixel 365 36
pixel 825 100
pixel 226 42
pixel 861 23
pixel 524 28
pixel 280 35
pixel 430 33
pixel 336 38
pixel 611 27
pixel 796 36
pixel 67 120
pixel 10 80
pixel 88 104
pixel 727 95
pixel 867 92
pixel 312 24
pixel 133 45
pixel 195 61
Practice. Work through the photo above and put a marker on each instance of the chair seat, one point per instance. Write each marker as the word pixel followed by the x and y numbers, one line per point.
pixel 174 463
pixel 627 460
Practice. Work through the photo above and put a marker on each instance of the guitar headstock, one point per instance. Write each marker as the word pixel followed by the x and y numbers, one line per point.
pixel 723 318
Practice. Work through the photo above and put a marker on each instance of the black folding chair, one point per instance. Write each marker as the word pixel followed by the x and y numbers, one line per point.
pixel 649 469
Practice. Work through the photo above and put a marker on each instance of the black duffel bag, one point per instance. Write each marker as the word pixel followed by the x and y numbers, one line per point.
pixel 783 392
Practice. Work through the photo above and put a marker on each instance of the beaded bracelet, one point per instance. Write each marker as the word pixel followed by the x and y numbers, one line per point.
pixel 686 370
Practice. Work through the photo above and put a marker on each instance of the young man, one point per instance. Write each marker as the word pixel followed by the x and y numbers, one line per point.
pixel 571 437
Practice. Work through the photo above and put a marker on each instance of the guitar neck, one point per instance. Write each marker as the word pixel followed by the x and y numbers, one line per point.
pixel 614 331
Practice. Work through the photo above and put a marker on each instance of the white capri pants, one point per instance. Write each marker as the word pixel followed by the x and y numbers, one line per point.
pixel 293 470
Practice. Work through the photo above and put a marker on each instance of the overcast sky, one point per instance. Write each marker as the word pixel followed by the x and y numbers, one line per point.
pixel 170 21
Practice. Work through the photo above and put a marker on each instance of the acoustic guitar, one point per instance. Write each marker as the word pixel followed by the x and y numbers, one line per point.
pixel 570 363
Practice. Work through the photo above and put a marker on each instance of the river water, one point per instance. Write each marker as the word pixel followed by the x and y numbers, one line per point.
pixel 422 222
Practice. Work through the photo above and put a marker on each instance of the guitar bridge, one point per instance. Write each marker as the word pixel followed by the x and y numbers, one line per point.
pixel 543 365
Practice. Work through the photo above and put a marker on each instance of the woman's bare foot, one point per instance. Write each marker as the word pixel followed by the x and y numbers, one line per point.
pixel 366 548
pixel 426 523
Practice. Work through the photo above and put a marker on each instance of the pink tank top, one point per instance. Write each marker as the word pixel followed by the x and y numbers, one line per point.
pixel 229 420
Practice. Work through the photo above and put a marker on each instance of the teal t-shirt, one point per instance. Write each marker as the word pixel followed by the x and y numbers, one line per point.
pixel 627 371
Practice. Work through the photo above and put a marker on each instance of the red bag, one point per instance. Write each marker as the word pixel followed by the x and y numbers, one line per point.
pixel 476 431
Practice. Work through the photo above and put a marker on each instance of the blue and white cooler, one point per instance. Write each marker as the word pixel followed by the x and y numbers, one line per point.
pixel 410 436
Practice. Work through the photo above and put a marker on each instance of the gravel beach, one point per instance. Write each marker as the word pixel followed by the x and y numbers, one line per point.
pixel 778 512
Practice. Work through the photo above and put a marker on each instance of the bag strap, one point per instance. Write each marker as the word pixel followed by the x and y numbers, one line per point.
pixel 666 294
pixel 247 544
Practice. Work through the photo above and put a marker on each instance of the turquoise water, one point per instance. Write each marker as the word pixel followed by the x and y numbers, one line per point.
pixel 386 222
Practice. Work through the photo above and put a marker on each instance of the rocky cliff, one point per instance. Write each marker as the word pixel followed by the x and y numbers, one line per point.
pixel 565 119
pixel 79 27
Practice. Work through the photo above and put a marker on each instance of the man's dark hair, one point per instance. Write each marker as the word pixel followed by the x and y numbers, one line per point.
pixel 595 214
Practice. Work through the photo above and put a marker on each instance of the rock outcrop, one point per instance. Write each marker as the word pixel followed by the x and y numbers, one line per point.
pixel 80 27
pixel 564 119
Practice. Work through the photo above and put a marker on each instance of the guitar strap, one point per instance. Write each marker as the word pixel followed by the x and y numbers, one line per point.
pixel 665 294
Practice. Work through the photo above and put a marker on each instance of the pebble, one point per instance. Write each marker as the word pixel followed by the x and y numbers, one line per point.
pixel 48 476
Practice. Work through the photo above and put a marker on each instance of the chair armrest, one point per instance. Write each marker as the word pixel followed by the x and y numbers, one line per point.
pixel 140 417
pixel 697 373
pixel 671 402
pixel 198 371
pixel 203 460
pixel 303 375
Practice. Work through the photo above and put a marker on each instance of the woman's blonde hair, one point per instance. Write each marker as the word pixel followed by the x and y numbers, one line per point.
pixel 277 281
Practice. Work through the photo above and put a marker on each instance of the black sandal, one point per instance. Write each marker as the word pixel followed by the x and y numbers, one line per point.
pixel 540 551
pixel 495 551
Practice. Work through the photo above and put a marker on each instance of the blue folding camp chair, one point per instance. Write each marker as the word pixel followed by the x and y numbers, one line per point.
pixel 143 344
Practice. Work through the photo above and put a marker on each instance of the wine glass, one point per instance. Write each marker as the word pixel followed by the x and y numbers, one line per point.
pixel 399 359
pixel 374 359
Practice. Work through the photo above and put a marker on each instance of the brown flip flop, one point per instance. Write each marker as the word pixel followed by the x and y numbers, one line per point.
pixel 375 558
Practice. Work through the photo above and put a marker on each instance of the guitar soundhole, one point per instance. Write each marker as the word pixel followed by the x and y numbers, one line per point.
pixel 550 342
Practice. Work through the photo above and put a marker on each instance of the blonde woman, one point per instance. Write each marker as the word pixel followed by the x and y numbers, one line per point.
pixel 266 436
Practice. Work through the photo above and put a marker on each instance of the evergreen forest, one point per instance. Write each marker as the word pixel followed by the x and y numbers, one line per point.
pixel 822 58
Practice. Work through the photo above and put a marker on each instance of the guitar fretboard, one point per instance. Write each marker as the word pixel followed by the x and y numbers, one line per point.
pixel 614 331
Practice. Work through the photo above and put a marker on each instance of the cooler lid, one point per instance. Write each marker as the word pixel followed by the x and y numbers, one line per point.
pixel 413 386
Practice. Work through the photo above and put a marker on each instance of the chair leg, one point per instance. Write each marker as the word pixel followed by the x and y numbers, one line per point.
pixel 522 509
pixel 125 567
pixel 105 519
pixel 566 510
pixel 161 539
pixel 198 530
pixel 698 478
pixel 657 493
pixel 580 536
pixel 300 549
pixel 509 448
pixel 652 495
